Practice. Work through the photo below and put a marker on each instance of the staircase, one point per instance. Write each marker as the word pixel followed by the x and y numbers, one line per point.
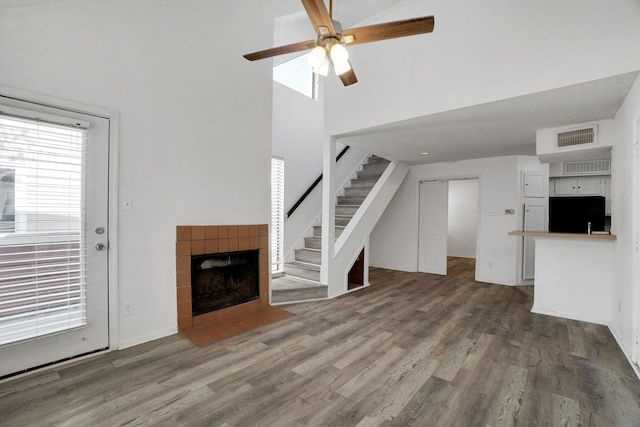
pixel 301 279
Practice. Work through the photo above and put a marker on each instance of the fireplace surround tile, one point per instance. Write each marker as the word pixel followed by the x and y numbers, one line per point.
pixel 211 232
pixel 211 239
pixel 198 233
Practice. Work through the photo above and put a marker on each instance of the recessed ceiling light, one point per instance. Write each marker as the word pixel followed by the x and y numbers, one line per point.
pixel 424 153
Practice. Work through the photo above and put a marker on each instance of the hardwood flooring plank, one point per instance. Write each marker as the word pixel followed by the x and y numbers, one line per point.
pixel 412 349
pixel 507 405
pixel 566 412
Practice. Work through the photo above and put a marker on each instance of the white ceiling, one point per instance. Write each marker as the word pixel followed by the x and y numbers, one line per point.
pixel 506 127
pixel 500 128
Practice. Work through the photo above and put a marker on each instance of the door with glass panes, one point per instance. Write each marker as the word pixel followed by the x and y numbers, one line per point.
pixel 53 235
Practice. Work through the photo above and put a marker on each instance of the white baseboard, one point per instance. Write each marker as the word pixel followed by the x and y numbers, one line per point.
pixel 146 338
pixel 572 316
pixel 618 339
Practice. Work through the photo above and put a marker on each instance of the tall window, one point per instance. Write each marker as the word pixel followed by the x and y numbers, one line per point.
pixel 42 262
pixel 277 213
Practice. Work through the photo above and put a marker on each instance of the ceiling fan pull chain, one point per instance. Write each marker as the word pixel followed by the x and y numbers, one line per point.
pixel 331 9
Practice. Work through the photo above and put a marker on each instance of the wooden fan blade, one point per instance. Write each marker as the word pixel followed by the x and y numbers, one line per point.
pixel 319 15
pixel 281 50
pixel 349 77
pixel 390 30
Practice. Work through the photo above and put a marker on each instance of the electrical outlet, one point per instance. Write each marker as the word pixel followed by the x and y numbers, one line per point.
pixel 492 212
pixel 127 309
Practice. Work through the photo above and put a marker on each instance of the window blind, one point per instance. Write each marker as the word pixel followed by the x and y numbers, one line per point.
pixel 42 249
pixel 277 212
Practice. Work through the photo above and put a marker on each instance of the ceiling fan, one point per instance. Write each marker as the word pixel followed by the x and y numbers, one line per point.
pixel 329 48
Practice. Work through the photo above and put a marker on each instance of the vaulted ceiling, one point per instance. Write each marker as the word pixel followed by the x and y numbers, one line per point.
pixel 502 127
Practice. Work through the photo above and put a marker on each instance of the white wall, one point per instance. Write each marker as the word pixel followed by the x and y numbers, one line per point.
pixel 394 241
pixel 195 119
pixel 463 218
pixel 625 220
pixel 481 52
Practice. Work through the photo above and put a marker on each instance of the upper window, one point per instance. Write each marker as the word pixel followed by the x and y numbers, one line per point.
pixel 297 75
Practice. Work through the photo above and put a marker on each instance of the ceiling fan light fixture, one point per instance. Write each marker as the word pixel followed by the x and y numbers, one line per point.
pixel 317 56
pixel 341 68
pixel 323 70
pixel 339 54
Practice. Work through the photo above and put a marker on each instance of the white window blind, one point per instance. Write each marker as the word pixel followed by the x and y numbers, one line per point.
pixel 42 250
pixel 277 212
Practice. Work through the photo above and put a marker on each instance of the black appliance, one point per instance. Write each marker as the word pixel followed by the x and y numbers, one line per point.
pixel 572 214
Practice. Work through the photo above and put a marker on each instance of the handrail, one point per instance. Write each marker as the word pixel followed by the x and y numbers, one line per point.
pixel 312 186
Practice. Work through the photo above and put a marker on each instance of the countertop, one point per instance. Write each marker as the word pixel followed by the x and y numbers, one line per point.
pixel 564 235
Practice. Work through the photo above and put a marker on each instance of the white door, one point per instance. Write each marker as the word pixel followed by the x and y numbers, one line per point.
pixel 533 221
pixel 53 235
pixel 432 250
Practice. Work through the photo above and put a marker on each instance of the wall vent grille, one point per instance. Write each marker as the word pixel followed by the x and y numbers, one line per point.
pixel 576 137
pixel 587 167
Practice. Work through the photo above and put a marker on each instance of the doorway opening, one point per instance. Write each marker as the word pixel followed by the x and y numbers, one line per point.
pixel 448 222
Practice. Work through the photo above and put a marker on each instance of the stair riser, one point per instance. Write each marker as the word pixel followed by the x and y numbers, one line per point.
pixel 378 162
pixel 344 200
pixel 357 191
pixel 304 273
pixel 346 210
pixel 342 221
pixel 312 257
pixel 312 243
pixel 374 168
pixel 317 231
pixel 369 175
pixel 298 295
pixel 360 183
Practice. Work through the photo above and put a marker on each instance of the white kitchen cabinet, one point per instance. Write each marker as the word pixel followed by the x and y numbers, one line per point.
pixel 587 186
pixel 534 184
pixel 590 187
pixel 607 194
pixel 565 187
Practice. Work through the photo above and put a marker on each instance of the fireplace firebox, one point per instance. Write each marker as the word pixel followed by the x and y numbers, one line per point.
pixel 224 280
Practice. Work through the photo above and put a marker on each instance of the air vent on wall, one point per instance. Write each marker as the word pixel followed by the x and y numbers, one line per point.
pixel 589 167
pixel 576 137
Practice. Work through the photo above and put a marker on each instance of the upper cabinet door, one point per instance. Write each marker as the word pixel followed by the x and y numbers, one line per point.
pixel 589 187
pixel 565 187
pixel 534 184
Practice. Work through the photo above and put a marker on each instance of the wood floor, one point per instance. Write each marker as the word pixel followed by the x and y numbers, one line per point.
pixel 411 350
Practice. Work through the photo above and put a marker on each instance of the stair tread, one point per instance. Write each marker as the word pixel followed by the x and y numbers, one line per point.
pixel 285 283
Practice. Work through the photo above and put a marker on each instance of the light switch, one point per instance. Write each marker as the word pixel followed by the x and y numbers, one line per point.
pixel 509 211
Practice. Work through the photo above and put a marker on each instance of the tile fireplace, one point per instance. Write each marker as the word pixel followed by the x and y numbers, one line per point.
pixel 221 271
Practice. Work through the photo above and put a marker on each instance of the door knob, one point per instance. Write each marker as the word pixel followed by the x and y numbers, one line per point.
pixel 100 247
